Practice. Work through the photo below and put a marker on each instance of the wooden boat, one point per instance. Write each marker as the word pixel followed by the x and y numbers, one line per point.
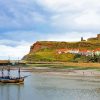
pixel 12 80
pixel 9 79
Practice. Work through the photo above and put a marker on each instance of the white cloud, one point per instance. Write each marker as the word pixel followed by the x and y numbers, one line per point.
pixel 71 36
pixel 88 18
pixel 19 14
pixel 14 52
pixel 73 15
pixel 65 5
pixel 60 5
pixel 62 14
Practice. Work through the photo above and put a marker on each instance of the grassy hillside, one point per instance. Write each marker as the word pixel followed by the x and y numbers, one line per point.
pixel 46 51
pixel 48 55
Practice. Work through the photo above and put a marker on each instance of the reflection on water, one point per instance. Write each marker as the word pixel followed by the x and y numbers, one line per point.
pixel 10 92
pixel 43 87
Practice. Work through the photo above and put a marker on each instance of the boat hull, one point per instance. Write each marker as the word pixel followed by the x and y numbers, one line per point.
pixel 12 80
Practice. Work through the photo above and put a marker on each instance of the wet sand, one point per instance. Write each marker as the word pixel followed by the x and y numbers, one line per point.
pixel 67 72
pixel 58 71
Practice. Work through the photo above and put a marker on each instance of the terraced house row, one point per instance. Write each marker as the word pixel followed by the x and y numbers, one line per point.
pixel 81 52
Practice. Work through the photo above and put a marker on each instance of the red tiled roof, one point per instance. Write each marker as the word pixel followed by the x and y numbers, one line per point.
pixel 80 50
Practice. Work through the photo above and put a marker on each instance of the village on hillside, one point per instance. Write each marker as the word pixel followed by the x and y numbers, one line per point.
pixel 53 51
pixel 81 52
pixel 85 52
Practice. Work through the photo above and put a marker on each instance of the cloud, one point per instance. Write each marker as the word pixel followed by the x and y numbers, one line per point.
pixel 53 15
pixel 17 48
pixel 61 5
pixel 16 37
pixel 19 15
pixel 71 36
pixel 14 52
pixel 73 15
pixel 22 22
pixel 88 18
pixel 69 5
pixel 22 37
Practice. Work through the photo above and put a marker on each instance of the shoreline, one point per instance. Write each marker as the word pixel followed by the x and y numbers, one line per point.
pixel 68 72
pixel 81 64
pixel 67 69
pixel 78 75
pixel 91 75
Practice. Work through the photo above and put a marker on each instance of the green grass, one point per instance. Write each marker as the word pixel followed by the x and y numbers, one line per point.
pixel 61 66
pixel 80 68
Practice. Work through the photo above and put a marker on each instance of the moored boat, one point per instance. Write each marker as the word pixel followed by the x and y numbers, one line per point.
pixel 12 80
pixel 9 79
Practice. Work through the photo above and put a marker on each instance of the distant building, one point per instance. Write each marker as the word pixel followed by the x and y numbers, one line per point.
pixel 97 51
pixel 94 38
pixel 82 39
pixel 85 52
pixel 61 51
pixel 98 36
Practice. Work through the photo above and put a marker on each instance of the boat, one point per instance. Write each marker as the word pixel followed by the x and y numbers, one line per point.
pixel 12 80
pixel 9 79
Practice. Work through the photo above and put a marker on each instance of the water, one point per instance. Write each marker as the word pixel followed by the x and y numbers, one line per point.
pixel 49 87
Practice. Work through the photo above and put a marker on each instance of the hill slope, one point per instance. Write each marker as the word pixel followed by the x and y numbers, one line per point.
pixel 47 50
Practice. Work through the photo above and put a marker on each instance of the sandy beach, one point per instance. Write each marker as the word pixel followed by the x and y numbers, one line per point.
pixel 59 71
pixel 67 72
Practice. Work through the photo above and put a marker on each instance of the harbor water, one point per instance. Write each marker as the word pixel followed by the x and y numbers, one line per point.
pixel 49 87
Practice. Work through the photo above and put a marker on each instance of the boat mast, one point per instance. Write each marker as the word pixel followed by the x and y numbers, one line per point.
pixel 9 67
pixel 19 72
pixel 9 71
pixel 2 72
pixel 18 69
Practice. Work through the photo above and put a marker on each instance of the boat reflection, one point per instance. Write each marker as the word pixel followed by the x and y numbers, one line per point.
pixel 11 92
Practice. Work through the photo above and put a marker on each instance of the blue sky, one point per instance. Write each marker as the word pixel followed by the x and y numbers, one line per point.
pixel 23 22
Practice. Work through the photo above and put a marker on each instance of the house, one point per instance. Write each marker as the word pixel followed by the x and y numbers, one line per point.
pixel 61 51
pixel 74 51
pixel 85 52
pixel 97 51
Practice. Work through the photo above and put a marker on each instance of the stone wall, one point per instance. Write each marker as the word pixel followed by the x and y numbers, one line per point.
pixel 94 38
pixel 98 36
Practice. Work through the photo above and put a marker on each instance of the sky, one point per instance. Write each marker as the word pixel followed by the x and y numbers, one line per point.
pixel 23 22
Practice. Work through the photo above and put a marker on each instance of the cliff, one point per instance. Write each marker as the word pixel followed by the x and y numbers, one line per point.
pixel 52 45
pixel 46 50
